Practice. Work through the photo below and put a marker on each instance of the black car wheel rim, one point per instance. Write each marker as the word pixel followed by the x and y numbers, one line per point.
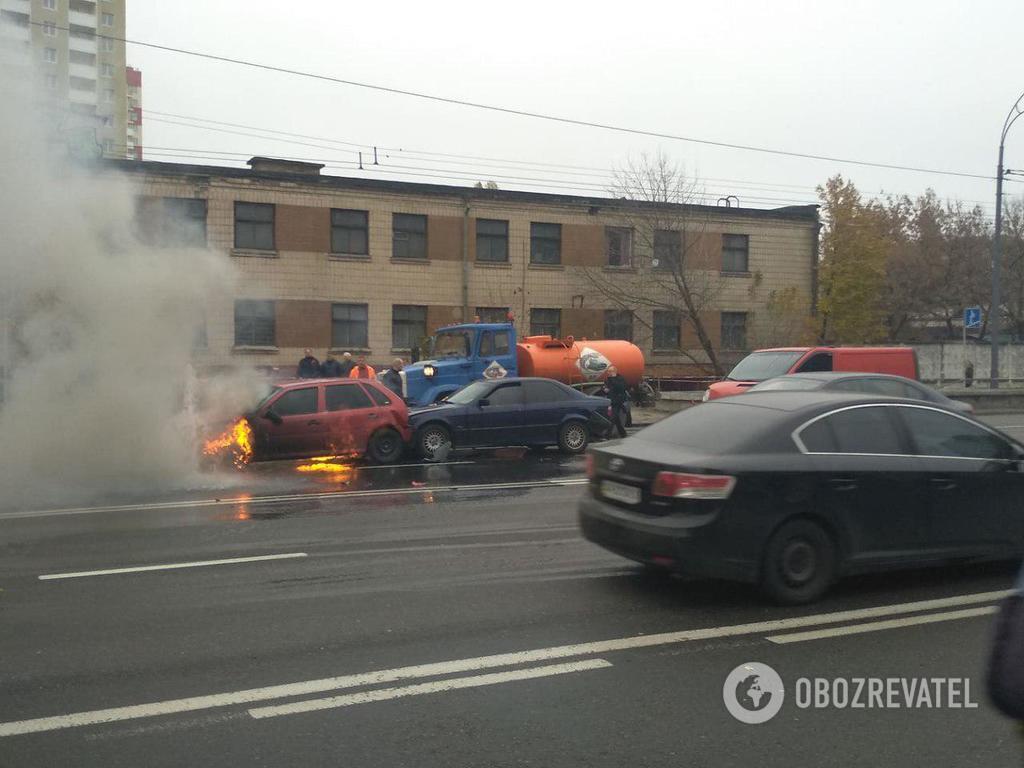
pixel 386 445
pixel 799 561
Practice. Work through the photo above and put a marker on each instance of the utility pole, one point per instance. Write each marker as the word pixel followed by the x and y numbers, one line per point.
pixel 995 311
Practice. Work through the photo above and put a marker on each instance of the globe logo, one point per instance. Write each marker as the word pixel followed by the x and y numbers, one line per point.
pixel 753 693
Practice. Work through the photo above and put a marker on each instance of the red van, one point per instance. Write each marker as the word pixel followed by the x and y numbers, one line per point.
pixel 316 417
pixel 769 363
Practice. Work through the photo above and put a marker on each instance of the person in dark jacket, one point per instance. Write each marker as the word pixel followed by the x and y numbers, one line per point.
pixel 330 368
pixel 617 390
pixel 346 365
pixel 309 366
pixel 392 377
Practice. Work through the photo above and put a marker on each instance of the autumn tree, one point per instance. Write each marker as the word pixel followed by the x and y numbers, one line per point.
pixel 665 252
pixel 1013 266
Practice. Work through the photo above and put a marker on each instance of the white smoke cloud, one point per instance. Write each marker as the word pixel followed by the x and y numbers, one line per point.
pixel 99 327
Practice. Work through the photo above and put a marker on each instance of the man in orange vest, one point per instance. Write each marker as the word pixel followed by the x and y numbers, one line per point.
pixel 361 370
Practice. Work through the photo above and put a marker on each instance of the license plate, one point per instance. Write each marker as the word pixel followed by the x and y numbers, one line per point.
pixel 627 494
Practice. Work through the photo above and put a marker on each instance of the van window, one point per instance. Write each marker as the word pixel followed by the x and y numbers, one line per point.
pixel 758 366
pixel 822 361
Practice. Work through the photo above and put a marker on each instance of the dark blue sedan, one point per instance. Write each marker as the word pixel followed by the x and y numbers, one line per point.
pixel 521 411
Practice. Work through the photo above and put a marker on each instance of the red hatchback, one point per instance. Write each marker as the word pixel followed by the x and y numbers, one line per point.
pixel 319 417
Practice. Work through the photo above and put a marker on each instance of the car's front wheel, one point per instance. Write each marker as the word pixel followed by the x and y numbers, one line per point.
pixel 385 446
pixel 573 437
pixel 434 442
pixel 800 563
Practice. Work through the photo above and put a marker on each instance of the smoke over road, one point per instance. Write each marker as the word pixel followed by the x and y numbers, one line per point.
pixel 98 327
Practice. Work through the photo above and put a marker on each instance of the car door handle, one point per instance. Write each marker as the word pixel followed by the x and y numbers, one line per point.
pixel 942 483
pixel 843 483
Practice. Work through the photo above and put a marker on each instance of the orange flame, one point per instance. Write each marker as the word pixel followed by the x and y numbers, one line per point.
pixel 236 440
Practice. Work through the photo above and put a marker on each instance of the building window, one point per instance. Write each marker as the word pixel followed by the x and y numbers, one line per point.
pixel 491 240
pixel 618 324
pixel 255 323
pixel 350 232
pixel 619 242
pixel 546 322
pixel 108 19
pixel 108 96
pixel 349 326
pixel 492 314
pixel 408 326
pixel 734 330
pixel 254 226
pixel 667 250
pixel 666 330
pixel 735 253
pixel 109 148
pixel 545 243
pixel 408 236
pixel 50 55
pixel 106 45
pixel 51 82
pixel 50 5
pixel 107 70
pixel 107 121
pixel 184 220
pixel 49 29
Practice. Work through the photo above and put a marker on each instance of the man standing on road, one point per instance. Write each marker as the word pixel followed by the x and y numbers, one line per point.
pixel 617 390
pixel 330 368
pixel 346 365
pixel 361 370
pixel 309 366
pixel 392 377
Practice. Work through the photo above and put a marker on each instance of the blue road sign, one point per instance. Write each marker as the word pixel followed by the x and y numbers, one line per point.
pixel 972 317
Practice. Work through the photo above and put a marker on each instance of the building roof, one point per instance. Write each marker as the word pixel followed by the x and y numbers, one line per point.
pixel 803 213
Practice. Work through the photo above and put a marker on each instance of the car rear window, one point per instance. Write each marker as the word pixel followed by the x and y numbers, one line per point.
pixel 544 392
pixel 345 397
pixel 714 428
pixel 378 397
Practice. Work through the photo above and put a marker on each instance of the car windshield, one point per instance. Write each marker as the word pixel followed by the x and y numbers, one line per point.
pixel 786 383
pixel 714 428
pixel 452 344
pixel 758 366
pixel 470 393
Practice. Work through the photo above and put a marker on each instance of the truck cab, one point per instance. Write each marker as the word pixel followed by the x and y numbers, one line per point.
pixel 457 355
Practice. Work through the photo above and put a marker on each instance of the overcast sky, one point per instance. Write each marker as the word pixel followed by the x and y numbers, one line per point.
pixel 904 82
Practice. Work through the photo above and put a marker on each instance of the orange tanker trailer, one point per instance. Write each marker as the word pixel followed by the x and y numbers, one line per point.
pixel 573 362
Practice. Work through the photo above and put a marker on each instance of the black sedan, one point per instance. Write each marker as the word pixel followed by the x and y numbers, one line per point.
pixel 791 490
pixel 863 383
pixel 513 411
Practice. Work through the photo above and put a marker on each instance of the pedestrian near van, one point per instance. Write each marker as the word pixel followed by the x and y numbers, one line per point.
pixel 346 365
pixel 362 369
pixel 392 377
pixel 309 366
pixel 616 389
pixel 330 368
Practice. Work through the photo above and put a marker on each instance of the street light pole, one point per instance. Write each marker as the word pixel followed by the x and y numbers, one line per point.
pixel 995 311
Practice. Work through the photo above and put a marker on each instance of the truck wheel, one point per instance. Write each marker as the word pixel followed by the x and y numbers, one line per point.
pixel 385 446
pixel 434 442
pixel 573 437
pixel 800 563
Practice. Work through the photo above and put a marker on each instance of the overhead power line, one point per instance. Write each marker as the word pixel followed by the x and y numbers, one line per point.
pixel 528 113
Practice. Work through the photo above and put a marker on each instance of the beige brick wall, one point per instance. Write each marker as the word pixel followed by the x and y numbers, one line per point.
pixel 305 279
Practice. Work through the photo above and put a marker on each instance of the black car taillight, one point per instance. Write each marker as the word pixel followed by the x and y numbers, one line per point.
pixel 683 485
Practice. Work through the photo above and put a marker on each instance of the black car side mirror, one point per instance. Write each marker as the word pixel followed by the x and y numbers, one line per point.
pixel 271 415
pixel 483 403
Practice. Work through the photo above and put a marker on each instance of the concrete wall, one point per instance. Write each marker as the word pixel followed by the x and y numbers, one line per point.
pixel 944 362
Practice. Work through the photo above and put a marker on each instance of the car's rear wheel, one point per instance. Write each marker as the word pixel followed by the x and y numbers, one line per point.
pixel 799 563
pixel 434 442
pixel 573 437
pixel 385 446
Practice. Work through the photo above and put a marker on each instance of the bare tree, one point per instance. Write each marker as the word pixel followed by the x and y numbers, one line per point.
pixel 664 251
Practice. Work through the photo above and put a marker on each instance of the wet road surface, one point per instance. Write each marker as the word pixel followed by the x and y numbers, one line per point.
pixel 441 615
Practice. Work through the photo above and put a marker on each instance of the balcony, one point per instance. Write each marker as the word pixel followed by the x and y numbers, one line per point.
pixel 82 97
pixel 83 44
pixel 17 6
pixel 82 19
pixel 84 71
pixel 12 31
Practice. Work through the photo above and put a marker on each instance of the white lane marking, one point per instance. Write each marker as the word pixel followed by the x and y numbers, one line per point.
pixel 397 466
pixel 256 500
pixel 472 545
pixel 878 626
pixel 481 662
pixel 171 566
pixel 1010 426
pixel 452 684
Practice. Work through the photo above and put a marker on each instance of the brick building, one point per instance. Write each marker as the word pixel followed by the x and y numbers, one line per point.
pixel 371 266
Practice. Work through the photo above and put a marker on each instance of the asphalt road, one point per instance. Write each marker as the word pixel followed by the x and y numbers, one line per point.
pixel 444 615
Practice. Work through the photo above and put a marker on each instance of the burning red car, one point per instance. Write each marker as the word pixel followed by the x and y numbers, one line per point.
pixel 321 417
